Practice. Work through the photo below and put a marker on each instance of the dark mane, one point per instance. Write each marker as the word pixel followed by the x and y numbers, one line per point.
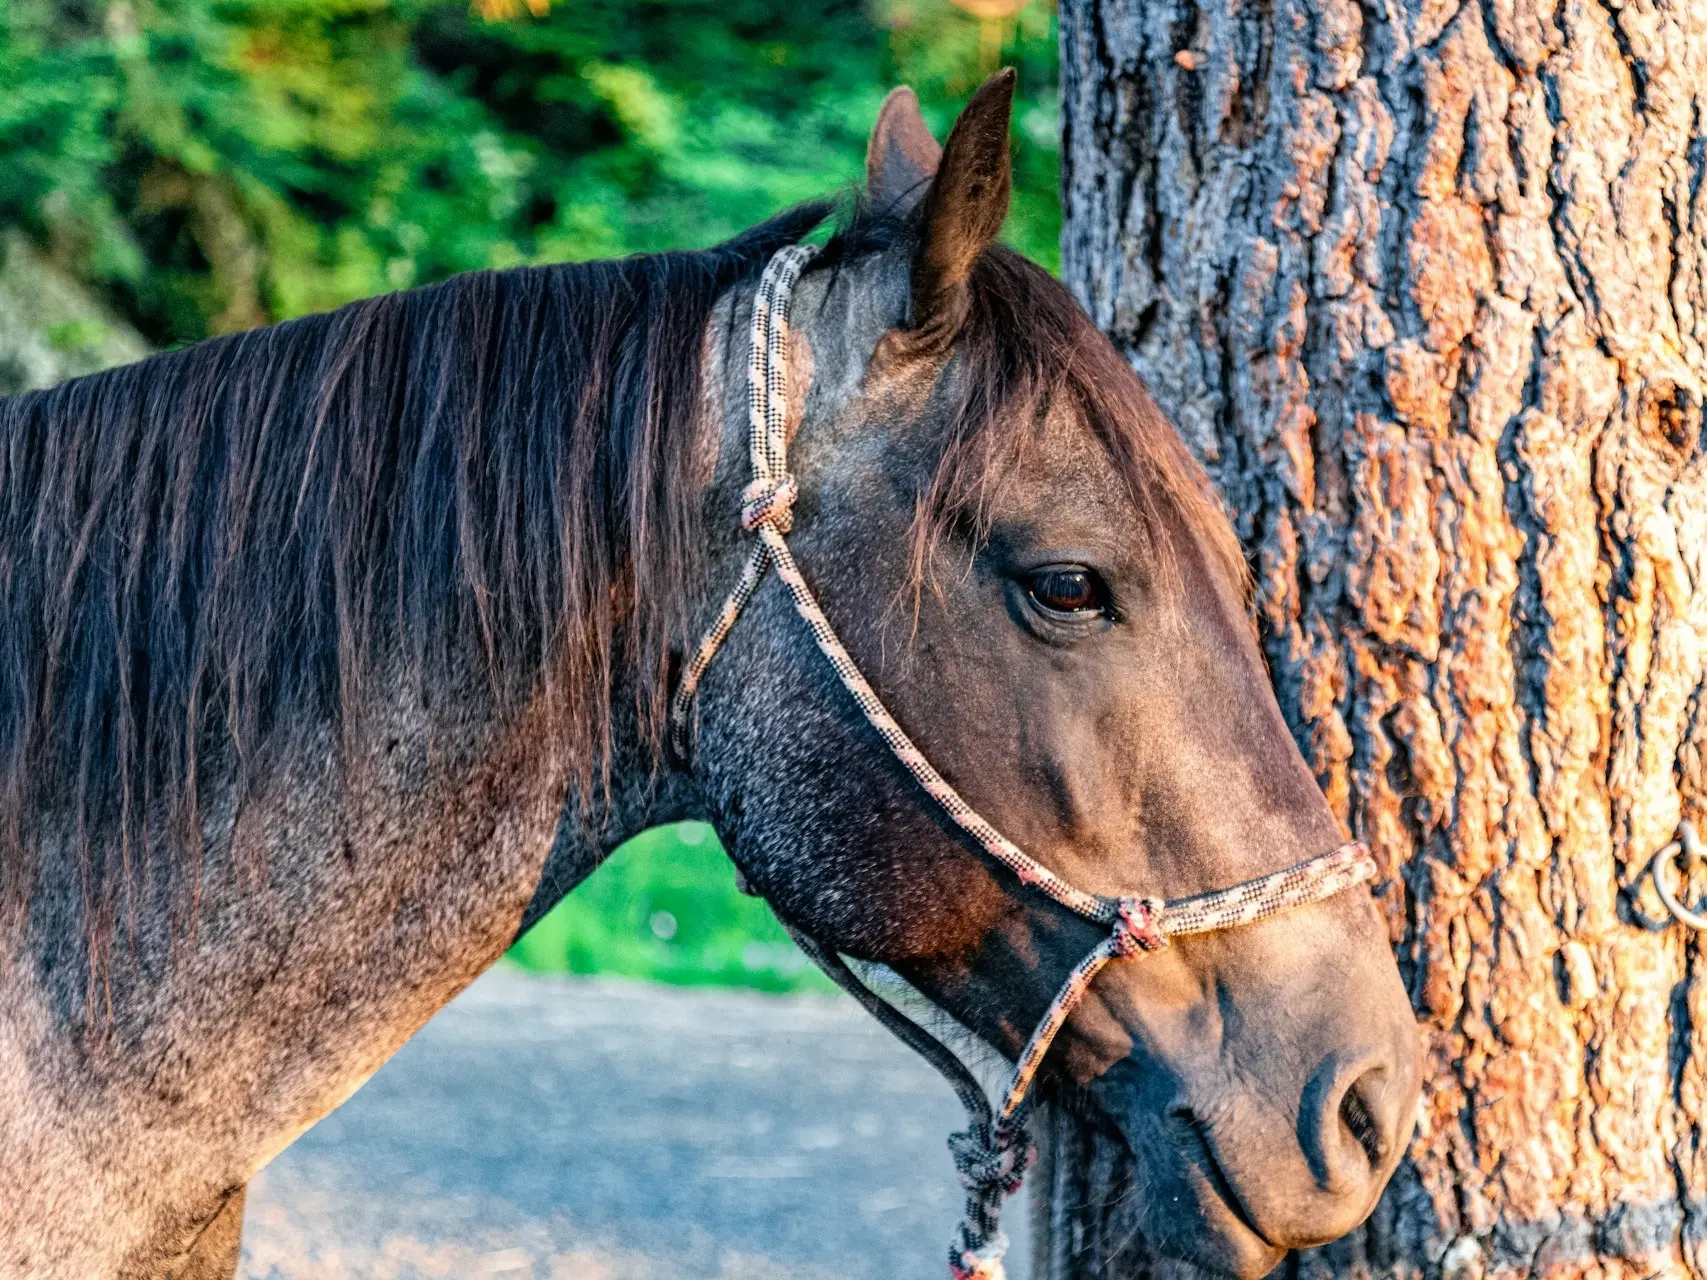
pixel 199 551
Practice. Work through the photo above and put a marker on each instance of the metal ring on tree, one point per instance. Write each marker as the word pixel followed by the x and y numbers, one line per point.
pixel 1692 852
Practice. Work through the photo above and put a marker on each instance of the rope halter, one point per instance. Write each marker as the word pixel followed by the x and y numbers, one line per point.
pixel 994 1151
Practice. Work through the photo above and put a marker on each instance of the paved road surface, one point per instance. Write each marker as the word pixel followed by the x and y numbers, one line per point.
pixel 572 1129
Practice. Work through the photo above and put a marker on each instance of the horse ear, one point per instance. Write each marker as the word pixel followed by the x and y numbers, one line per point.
pixel 901 157
pixel 964 209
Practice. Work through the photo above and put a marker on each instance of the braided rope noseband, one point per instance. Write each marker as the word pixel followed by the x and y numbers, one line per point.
pixel 994 1151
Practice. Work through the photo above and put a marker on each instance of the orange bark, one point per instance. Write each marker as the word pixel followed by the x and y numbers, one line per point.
pixel 1425 285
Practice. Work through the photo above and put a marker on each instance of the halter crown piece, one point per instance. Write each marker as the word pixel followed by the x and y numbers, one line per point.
pixel 994 1151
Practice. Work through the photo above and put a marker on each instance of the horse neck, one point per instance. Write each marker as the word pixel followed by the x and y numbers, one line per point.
pixel 599 815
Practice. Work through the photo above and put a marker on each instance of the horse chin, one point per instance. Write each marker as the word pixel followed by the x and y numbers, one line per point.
pixel 1207 1230
pixel 1222 1241
pixel 1230 1249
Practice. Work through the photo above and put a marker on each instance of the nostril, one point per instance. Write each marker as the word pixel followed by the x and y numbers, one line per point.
pixel 1344 1122
pixel 1359 1109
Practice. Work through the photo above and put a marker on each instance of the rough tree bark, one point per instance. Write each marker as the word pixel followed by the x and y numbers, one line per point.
pixel 1424 282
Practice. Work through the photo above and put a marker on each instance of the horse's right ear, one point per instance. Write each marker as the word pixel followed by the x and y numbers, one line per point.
pixel 963 211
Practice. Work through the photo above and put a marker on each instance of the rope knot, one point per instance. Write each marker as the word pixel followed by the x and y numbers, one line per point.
pixel 992 1164
pixel 769 500
pixel 1138 927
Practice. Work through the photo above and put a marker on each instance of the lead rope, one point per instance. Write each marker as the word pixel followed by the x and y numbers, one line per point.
pixel 994 1151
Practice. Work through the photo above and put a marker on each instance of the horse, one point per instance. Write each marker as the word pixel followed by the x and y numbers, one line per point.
pixel 333 653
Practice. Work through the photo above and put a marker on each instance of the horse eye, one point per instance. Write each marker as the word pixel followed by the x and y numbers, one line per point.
pixel 1066 590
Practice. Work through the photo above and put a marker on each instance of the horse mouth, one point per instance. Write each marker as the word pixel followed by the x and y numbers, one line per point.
pixel 1209 1228
pixel 1200 1159
pixel 1242 1241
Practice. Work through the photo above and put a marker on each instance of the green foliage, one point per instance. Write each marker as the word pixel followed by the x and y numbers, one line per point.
pixel 215 164
pixel 665 906
pixel 74 337
pixel 57 94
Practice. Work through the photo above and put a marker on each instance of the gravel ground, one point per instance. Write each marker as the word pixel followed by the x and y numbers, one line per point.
pixel 574 1129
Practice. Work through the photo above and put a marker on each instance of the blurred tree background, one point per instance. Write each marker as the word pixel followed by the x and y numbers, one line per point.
pixel 172 170
pixel 207 166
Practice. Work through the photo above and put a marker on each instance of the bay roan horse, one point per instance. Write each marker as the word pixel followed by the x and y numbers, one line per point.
pixel 312 638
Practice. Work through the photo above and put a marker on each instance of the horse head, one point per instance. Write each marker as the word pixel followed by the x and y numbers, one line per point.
pixel 1022 556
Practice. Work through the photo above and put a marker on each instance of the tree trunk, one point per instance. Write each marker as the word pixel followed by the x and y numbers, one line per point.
pixel 1425 286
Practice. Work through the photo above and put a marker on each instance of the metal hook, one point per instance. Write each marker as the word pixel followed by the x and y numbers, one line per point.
pixel 1692 852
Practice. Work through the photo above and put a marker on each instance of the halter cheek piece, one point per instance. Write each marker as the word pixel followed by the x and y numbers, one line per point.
pixel 994 1151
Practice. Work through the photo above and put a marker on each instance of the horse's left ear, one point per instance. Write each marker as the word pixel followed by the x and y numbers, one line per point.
pixel 901 156
pixel 964 210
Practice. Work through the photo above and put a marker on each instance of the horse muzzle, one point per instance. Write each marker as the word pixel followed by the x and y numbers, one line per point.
pixel 1264 1124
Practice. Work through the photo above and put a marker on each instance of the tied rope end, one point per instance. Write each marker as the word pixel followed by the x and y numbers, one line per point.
pixel 965 1263
pixel 992 1161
